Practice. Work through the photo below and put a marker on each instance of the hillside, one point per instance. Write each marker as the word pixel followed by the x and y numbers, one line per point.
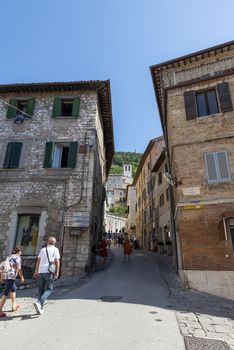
pixel 121 158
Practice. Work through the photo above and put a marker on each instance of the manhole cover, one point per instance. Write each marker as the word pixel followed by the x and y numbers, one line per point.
pixel 110 299
pixel 204 344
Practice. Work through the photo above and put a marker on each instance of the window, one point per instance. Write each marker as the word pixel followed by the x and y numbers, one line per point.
pixel 160 178
pixel 207 103
pixel 12 157
pixel 161 200
pixel 60 154
pixel 167 194
pixel 217 167
pixel 66 107
pixel 150 211
pixel 231 227
pixel 202 103
pixel 27 233
pixel 24 105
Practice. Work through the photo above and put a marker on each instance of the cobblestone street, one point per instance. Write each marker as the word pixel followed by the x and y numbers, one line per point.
pixel 199 314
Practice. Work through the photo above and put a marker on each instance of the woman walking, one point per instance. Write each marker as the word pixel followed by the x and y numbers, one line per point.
pixel 13 269
pixel 127 248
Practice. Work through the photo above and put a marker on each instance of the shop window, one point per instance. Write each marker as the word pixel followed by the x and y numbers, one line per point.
pixel 60 155
pixel 231 227
pixel 27 233
pixel 66 107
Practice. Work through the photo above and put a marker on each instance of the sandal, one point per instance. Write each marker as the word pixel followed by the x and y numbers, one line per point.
pixel 15 308
pixel 2 314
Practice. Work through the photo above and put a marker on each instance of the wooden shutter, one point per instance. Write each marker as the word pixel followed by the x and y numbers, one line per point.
pixel 211 168
pixel 15 155
pixel 223 166
pixel 57 107
pixel 11 112
pixel 225 99
pixel 76 107
pixel 48 154
pixel 7 159
pixel 30 107
pixel 72 154
pixel 190 104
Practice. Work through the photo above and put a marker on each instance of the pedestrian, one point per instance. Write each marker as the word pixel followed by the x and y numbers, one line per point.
pixel 13 269
pixel 103 251
pixel 49 255
pixel 127 248
pixel 96 254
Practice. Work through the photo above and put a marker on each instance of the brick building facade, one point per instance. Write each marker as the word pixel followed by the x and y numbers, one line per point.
pixel 195 96
pixel 56 148
pixel 146 187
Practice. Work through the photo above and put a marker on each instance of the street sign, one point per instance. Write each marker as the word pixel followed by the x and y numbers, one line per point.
pixel 76 219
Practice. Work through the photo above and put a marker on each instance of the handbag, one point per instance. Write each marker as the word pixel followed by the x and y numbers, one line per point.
pixel 52 266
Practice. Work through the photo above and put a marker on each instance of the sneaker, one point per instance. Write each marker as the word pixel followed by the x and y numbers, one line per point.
pixel 38 308
pixel 2 314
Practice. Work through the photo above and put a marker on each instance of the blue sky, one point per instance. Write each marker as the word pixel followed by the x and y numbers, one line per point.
pixel 67 40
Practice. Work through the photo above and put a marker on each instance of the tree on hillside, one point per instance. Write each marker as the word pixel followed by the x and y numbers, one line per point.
pixel 121 158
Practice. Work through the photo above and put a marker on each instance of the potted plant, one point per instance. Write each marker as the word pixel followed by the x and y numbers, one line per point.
pixel 169 247
pixel 160 247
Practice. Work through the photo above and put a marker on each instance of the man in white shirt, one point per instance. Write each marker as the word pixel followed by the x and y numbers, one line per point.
pixel 48 255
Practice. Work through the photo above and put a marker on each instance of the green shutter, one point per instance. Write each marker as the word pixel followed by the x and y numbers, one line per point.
pixel 225 99
pixel 57 107
pixel 190 104
pixel 48 154
pixel 15 155
pixel 76 107
pixel 72 154
pixel 30 107
pixel 7 159
pixel 11 112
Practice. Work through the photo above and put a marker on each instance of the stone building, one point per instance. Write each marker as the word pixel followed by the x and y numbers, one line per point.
pixel 144 182
pixel 56 149
pixel 195 96
pixel 162 202
pixel 131 205
pixel 116 186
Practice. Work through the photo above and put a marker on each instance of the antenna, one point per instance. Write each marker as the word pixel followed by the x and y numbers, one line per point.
pixel 169 179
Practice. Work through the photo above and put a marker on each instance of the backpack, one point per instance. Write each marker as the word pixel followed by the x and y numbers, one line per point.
pixel 4 267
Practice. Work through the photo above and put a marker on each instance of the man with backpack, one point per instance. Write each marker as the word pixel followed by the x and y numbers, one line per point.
pixel 11 269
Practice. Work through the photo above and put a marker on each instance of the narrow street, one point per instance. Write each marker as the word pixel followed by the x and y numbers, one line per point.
pixel 125 307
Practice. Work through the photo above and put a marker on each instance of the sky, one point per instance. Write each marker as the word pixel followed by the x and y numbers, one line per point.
pixel 73 40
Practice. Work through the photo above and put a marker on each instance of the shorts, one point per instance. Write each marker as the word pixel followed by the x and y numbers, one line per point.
pixel 10 287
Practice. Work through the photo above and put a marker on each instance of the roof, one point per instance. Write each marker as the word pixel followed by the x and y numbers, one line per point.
pixel 156 70
pixel 148 148
pixel 102 87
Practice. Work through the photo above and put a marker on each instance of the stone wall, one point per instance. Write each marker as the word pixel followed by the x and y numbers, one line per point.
pixel 49 192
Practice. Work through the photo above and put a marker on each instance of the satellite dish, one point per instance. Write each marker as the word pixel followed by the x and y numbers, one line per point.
pixel 169 179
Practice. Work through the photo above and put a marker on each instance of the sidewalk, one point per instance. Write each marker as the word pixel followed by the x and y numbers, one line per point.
pixel 199 315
